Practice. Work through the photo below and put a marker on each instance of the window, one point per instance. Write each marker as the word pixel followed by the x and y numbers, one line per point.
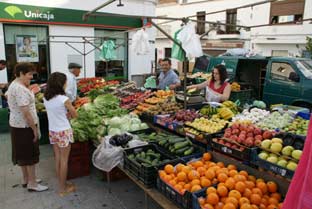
pixel 167 52
pixel 116 68
pixel 279 53
pixel 201 26
pixel 37 36
pixel 281 70
pixel 287 11
pixel 167 1
pixel 231 17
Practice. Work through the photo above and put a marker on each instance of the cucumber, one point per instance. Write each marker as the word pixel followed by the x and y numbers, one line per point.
pixel 176 140
pixel 143 154
pixel 162 142
pixel 146 165
pixel 131 156
pixel 150 151
pixel 152 155
pixel 181 150
pixel 143 160
pixel 181 144
pixel 155 161
pixel 166 145
pixel 189 151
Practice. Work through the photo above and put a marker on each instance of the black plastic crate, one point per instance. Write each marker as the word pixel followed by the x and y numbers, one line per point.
pixel 243 96
pixel 44 128
pixel 146 174
pixel 195 196
pixel 245 155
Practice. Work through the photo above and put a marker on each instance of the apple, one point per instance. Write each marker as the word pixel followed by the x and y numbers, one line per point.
pixel 263 155
pixel 242 127
pixel 250 129
pixel 249 141
pixel 235 126
pixel 228 144
pixel 282 163
pixel 221 141
pixel 277 140
pixel 287 150
pixel 243 132
pixel 267 135
pixel 266 143
pixel 227 135
pixel 272 159
pixel 234 146
pixel 273 155
pixel 291 165
pixel 228 130
pixel 296 154
pixel 241 149
pixel 257 131
pixel 258 137
pixel 235 131
pixel 258 142
pixel 250 134
pixel 276 147
pixel 234 137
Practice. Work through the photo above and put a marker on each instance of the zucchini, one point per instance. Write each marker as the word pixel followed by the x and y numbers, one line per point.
pixel 155 162
pixel 131 156
pixel 162 142
pixel 179 145
pixel 143 154
pixel 143 160
pixel 149 151
pixel 146 165
pixel 189 151
pixel 166 145
pixel 176 140
pixel 152 155
pixel 181 150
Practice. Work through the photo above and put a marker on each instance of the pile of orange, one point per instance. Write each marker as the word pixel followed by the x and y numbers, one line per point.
pixel 235 189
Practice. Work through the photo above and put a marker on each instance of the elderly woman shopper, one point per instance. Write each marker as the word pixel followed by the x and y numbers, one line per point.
pixel 24 126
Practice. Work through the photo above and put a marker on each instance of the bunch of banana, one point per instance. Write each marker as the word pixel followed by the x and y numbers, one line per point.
pixel 225 113
pixel 235 86
pixel 231 105
pixel 208 110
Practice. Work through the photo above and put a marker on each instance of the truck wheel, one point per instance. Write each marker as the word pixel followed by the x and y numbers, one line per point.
pixel 304 104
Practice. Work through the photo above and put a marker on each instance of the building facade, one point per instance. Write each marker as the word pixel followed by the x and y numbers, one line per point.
pixel 272 36
pixel 52 34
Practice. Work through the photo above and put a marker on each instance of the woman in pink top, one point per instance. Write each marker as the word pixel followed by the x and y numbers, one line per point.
pixel 217 85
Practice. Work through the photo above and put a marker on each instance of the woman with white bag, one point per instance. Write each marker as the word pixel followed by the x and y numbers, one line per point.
pixel 217 88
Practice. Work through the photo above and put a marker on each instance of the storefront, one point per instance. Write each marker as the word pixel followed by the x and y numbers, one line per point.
pixel 51 38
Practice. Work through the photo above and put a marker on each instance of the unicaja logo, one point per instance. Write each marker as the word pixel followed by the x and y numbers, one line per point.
pixel 39 15
pixel 13 10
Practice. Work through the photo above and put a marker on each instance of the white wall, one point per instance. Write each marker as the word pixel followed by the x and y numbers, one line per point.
pixel 59 51
pixel 266 49
pixel 3 73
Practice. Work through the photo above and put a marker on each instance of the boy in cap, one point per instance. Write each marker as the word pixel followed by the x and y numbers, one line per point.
pixel 71 87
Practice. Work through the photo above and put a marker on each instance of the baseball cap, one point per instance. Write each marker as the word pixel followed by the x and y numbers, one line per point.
pixel 74 65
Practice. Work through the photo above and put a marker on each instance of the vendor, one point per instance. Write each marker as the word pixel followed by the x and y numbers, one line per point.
pixel 217 85
pixel 2 67
pixel 168 78
pixel 71 87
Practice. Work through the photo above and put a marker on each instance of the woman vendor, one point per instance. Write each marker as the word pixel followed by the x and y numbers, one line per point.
pixel 217 89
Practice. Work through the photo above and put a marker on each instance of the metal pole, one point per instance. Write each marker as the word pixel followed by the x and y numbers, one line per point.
pixel 85 16
pixel 185 70
pixel 84 59
pixel 165 33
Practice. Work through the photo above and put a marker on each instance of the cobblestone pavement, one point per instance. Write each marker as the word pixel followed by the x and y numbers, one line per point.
pixel 92 192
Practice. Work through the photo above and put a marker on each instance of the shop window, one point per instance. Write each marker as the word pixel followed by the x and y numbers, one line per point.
pixel 167 52
pixel 201 25
pixel 287 11
pixel 116 68
pixel 231 18
pixel 27 44
pixel 281 71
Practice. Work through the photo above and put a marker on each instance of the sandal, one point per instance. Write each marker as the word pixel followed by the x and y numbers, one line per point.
pixel 68 190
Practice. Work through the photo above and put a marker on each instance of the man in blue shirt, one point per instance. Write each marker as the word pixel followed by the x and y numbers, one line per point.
pixel 168 78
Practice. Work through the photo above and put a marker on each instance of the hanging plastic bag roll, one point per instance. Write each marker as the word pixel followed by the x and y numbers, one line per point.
pixel 140 42
pixel 211 95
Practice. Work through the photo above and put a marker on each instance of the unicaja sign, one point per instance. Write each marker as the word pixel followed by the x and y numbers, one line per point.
pixel 37 14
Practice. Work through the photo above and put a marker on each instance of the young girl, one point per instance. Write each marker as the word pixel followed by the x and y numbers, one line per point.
pixel 59 108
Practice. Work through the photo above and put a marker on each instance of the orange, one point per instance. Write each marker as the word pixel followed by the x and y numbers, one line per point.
pixel 178 187
pixel 240 186
pixel 276 196
pixel 169 169
pixel 250 184
pixel 212 199
pixel 232 200
pixel 204 182
pixel 198 164
pixel 167 178
pixel 233 173
pixel 255 199
pixel 243 200
pixel 195 188
pixel 271 206
pixel 261 206
pixel 220 164
pixel 253 206
pixel 195 182
pixel 188 187
pixel 273 201
pixel 193 175
pixel 162 174
pixel 272 186
pixel 222 177
pixel 235 193
pixel 219 205
pixel 186 169
pixel 201 171
pixel 214 181
pixel 182 183
pixel 182 176
pixel 265 201
pixel 222 191
pixel 252 178
pixel 246 206
pixel 239 177
pixel 244 173
pixel 229 205
pixel 262 186
pixel 280 205
pixel 259 179
pixel 256 191
pixel 172 182
pixel 208 206
pixel 210 174
pixel 179 167
pixel 201 201
pixel 207 156
pixel 223 199
pixel 211 190
pixel 247 193
pixel 231 167
pixel 230 183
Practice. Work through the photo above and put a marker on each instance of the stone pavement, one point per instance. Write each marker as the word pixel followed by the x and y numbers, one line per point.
pixel 92 192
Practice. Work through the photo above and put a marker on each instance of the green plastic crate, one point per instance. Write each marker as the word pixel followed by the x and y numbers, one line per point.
pixel 243 96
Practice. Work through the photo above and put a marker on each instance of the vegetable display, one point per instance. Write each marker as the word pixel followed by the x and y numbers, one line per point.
pixel 148 158
pixel 275 120
pixel 254 115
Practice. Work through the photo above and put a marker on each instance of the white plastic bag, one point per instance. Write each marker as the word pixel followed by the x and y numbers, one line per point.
pixel 212 96
pixel 140 43
pixel 107 156
pixel 190 41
